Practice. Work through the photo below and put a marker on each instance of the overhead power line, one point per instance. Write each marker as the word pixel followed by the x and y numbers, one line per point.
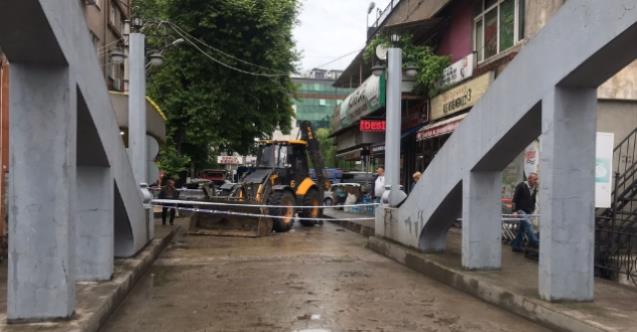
pixel 203 43
pixel 221 63
pixel 340 57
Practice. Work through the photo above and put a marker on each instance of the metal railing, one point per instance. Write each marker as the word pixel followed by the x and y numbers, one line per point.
pixel 616 227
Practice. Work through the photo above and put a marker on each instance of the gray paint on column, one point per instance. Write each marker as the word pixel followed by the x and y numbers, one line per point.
pixel 583 45
pixel 41 281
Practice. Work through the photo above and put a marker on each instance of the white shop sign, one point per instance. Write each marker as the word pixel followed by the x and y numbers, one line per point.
pixel 458 71
pixel 604 169
pixel 229 160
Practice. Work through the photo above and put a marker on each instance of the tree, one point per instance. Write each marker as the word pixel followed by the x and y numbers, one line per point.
pixel 211 107
pixel 327 147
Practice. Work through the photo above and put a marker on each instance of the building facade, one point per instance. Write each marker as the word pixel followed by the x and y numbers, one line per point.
pixel 107 23
pixel 316 97
pixel 315 100
pixel 480 37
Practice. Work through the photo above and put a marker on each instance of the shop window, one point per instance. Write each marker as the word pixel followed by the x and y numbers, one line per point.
pixel 498 25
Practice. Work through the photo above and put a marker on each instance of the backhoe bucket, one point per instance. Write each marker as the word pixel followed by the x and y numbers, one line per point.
pixel 218 224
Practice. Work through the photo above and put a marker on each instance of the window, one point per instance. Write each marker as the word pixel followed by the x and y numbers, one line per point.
pixel 498 25
pixel 115 19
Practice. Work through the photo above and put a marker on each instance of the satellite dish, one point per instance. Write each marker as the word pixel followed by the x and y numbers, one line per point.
pixel 381 52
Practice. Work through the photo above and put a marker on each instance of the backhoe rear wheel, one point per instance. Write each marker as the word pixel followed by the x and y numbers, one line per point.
pixel 312 198
pixel 285 199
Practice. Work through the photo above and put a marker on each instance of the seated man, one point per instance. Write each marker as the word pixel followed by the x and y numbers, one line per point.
pixel 523 207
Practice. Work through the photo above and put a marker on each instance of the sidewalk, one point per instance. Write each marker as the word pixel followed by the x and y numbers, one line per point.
pixel 514 288
pixel 95 301
pixel 363 227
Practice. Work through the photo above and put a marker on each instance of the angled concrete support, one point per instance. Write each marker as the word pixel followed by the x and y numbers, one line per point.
pixel 41 281
pixel 481 220
pixel 567 194
pixel 94 227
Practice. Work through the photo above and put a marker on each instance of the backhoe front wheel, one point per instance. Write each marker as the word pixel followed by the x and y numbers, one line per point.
pixel 284 213
pixel 311 198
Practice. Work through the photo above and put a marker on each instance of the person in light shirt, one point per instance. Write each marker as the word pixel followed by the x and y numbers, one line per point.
pixel 379 184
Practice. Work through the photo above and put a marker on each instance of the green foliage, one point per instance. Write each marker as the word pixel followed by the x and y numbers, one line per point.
pixel 430 65
pixel 210 108
pixel 328 150
pixel 171 161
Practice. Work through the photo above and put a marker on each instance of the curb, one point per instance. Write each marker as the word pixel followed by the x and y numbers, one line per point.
pixel 365 231
pixel 527 307
pixel 135 268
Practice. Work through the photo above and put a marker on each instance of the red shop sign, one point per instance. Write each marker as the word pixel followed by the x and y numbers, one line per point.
pixel 372 126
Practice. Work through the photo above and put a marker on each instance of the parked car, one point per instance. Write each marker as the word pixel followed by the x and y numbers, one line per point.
pixel 338 193
pixel 218 176
pixel 365 179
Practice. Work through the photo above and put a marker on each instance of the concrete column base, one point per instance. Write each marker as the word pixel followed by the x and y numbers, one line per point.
pixel 567 195
pixel 482 220
pixel 94 229
pixel 43 129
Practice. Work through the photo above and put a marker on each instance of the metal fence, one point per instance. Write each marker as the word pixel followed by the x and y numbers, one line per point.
pixel 616 227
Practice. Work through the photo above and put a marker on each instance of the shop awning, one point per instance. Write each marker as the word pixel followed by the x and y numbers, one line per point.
pixel 440 128
pixel 350 155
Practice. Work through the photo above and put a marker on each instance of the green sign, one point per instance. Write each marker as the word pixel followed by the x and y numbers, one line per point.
pixel 366 99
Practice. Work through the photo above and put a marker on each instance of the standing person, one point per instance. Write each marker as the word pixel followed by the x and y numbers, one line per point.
pixel 416 177
pixel 379 184
pixel 523 206
pixel 168 192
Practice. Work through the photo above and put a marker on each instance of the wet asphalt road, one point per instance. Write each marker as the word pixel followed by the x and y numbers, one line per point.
pixel 318 279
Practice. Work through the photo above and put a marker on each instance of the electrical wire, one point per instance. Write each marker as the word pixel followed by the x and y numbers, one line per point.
pixel 338 58
pixel 223 64
pixel 203 43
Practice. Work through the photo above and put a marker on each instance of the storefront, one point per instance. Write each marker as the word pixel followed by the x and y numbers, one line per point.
pixel 447 112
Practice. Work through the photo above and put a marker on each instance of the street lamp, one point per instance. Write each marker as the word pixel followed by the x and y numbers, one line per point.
pixel 156 59
pixel 371 7
pixel 411 70
pixel 378 69
pixel 117 56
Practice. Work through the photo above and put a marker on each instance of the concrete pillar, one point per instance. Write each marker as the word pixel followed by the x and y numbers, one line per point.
pixel 94 223
pixel 392 134
pixel 137 107
pixel 482 220
pixel 567 195
pixel 43 124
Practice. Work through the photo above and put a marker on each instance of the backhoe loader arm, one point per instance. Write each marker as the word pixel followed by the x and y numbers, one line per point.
pixel 314 151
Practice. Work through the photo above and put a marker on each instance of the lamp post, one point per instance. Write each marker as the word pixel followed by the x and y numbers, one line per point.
pixel 371 7
pixel 137 103
pixel 394 194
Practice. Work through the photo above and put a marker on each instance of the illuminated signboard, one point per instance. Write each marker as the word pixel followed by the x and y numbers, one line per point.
pixel 372 126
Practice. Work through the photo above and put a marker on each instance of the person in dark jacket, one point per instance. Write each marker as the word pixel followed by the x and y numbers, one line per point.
pixel 523 207
pixel 168 192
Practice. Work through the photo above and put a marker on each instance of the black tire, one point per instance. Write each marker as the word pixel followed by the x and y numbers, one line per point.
pixel 311 198
pixel 328 202
pixel 286 200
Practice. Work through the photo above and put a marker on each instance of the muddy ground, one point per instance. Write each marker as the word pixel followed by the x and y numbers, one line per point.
pixel 311 279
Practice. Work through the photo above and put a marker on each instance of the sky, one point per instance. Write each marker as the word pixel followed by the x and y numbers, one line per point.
pixel 329 29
